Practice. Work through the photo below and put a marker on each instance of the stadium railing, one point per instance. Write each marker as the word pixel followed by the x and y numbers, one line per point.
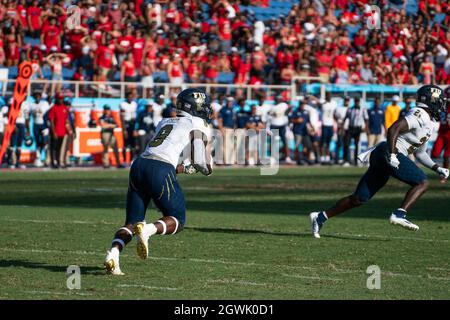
pixel 118 89
pixel 300 86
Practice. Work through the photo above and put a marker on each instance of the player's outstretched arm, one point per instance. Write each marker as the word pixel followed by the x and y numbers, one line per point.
pixel 424 158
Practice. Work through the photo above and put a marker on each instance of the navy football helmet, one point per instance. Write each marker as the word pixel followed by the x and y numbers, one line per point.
pixel 433 98
pixel 195 102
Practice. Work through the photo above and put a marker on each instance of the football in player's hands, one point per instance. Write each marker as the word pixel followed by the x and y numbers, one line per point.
pixel 190 169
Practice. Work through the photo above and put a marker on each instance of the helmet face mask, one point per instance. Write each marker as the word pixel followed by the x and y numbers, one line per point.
pixel 433 97
pixel 195 102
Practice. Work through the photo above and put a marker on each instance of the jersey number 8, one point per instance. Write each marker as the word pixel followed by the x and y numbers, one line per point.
pixel 161 136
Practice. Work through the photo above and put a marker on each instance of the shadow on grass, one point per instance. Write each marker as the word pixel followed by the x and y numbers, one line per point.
pixel 273 233
pixel 91 270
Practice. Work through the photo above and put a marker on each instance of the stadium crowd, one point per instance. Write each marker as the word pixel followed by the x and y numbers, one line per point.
pixel 316 131
pixel 196 41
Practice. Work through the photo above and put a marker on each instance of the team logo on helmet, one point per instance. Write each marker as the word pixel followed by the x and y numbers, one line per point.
pixel 435 94
pixel 199 98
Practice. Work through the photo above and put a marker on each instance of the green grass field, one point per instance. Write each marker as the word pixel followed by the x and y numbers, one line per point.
pixel 247 237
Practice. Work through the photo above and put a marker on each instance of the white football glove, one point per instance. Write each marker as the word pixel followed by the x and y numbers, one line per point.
pixel 393 161
pixel 443 173
pixel 190 169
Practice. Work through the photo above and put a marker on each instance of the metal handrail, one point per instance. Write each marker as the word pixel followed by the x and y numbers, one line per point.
pixel 167 86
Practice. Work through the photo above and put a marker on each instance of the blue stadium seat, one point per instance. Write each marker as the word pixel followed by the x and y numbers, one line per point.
pixel 439 18
pixel 160 77
pixel 68 73
pixel 352 30
pixel 12 72
pixel 412 6
pixel 225 77
pixel 32 41
pixel 47 72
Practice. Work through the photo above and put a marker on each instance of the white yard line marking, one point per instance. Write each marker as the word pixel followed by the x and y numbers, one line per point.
pixel 247 264
pixel 234 281
pixel 439 269
pixel 417 276
pixel 58 293
pixel 59 221
pixel 147 287
pixel 310 277
pixel 357 236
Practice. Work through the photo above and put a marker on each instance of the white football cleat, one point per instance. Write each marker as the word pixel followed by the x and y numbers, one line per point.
pixel 142 240
pixel 402 221
pixel 112 263
pixel 315 225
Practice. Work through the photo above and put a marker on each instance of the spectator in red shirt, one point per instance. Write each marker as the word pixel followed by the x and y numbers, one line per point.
pixel 175 72
pixel 105 59
pixel 128 72
pixel 138 48
pixel 210 71
pixel 22 14
pixel 60 129
pixel 193 71
pixel 172 15
pixel 235 59
pixel 34 21
pixel 224 28
pixel 50 35
pixel 242 75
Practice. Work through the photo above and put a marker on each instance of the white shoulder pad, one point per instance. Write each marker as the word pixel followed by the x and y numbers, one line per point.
pixel 416 118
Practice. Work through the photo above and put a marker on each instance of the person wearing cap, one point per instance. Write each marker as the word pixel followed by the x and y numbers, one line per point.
pixel 392 112
pixel 38 110
pixel 301 125
pixel 342 125
pixel 357 117
pixel 145 127
pixel 376 123
pixel 128 109
pixel 226 123
pixel 58 116
pixel 108 124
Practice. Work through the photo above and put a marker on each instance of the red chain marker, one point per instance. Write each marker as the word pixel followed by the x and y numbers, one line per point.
pixel 19 95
